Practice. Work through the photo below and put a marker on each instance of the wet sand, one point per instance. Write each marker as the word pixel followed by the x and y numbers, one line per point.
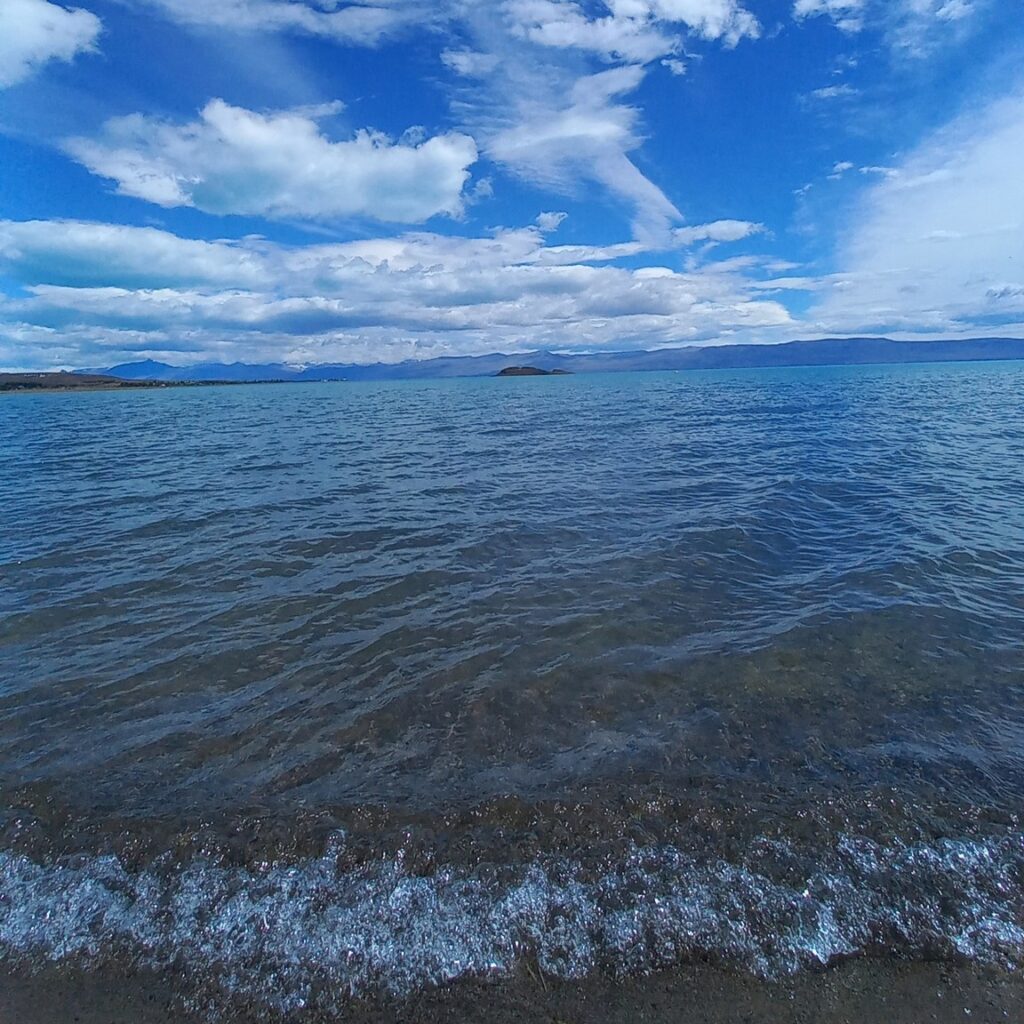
pixel 863 991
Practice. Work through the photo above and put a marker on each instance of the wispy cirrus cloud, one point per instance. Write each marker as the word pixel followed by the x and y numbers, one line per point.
pixel 33 32
pixel 834 92
pixel 848 15
pixel 937 243
pixel 546 87
pixel 620 29
pixel 355 22
pixel 582 133
pixel 912 27
pixel 546 116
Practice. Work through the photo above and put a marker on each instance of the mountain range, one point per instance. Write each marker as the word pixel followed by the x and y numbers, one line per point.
pixel 826 352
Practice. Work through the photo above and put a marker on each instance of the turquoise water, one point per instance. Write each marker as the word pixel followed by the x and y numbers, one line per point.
pixel 607 670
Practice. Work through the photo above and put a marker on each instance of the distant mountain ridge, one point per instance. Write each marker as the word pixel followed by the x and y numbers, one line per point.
pixel 826 352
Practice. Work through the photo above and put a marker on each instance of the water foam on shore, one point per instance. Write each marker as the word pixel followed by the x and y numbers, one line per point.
pixel 310 934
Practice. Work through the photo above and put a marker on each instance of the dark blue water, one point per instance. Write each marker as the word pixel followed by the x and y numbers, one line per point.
pixel 350 687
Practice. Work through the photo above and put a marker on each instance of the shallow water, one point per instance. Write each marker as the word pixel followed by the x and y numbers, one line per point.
pixel 605 671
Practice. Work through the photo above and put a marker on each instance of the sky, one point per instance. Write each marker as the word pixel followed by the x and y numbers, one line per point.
pixel 329 181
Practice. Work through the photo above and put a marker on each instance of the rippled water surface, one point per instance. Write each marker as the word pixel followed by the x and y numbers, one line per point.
pixel 349 687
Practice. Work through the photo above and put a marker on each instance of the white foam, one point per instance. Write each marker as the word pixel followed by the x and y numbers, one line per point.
pixel 286 936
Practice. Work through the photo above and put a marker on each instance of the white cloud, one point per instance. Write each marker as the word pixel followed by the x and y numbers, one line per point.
pixel 917 27
pixel 276 165
pixel 140 291
pixel 557 137
pixel 938 242
pixel 710 19
pixel 563 24
pixel 33 32
pixel 360 22
pixel 839 169
pixel 536 114
pixel 80 253
pixel 547 83
pixel 834 92
pixel 834 8
pixel 567 255
pixel 954 10
pixel 912 27
pixel 884 172
pixel 469 62
pixel 847 14
pixel 717 231
pixel 548 222
pixel 587 119
pixel 632 30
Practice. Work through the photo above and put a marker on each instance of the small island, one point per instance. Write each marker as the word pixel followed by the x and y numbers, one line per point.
pixel 531 371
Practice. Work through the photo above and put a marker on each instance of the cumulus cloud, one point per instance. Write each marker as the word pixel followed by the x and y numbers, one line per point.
pixel 938 243
pixel 634 30
pixel 709 19
pixel 563 24
pixel 550 221
pixel 277 165
pixel 33 32
pixel 379 298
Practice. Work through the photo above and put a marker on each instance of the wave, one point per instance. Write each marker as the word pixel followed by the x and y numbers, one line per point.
pixel 311 934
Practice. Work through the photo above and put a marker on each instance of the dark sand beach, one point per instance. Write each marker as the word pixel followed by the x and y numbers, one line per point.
pixel 863 991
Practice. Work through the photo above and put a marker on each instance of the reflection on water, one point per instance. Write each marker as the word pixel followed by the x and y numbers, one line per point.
pixel 461 607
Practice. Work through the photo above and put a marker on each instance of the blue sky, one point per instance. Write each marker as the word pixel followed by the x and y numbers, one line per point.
pixel 326 181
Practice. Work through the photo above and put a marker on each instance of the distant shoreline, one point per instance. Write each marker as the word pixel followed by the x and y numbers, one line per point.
pixel 823 352
pixel 54 383
pixel 865 352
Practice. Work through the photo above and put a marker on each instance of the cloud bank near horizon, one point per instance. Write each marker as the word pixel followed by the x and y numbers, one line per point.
pixel 101 292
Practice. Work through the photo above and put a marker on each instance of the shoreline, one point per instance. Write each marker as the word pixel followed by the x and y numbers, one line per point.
pixel 859 991
pixel 130 385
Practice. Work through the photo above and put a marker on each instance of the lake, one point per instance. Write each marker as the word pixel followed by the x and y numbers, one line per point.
pixel 319 691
